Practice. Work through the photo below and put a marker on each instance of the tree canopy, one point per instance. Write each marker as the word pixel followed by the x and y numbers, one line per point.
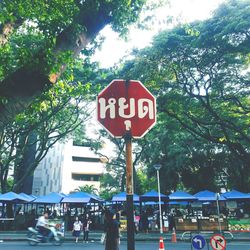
pixel 39 38
pixel 52 117
pixel 200 75
pixel 44 88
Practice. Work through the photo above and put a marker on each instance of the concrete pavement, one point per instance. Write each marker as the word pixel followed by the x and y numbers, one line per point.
pixel 96 236
pixel 142 245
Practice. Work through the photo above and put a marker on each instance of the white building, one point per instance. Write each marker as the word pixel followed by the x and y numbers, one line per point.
pixel 65 168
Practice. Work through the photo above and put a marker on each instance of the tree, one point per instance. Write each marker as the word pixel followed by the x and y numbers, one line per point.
pixel 39 38
pixel 90 189
pixel 200 73
pixel 114 180
pixel 51 118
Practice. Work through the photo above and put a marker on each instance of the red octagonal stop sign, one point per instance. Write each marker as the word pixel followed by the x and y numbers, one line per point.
pixel 126 107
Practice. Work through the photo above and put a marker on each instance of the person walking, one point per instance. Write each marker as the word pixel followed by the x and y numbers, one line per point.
pixel 86 224
pixel 112 231
pixel 171 221
pixel 144 222
pixel 77 226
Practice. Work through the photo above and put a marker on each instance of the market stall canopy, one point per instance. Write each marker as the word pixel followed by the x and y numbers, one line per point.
pixel 121 197
pixel 152 203
pixel 181 196
pixel 12 197
pixel 182 203
pixel 236 195
pixel 208 196
pixel 81 197
pixel 96 198
pixel 153 196
pixel 29 198
pixel 52 198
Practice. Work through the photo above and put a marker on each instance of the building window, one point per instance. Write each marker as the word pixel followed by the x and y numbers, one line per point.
pixel 85 177
pixel 85 159
pixel 82 144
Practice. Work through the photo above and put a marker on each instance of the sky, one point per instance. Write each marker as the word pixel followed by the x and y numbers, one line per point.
pixel 114 48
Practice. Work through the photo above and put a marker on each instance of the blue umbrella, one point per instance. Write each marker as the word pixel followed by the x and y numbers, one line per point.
pixel 152 203
pixel 183 203
pixel 181 196
pixel 236 195
pixel 12 197
pixel 52 198
pixel 29 198
pixel 81 197
pixel 153 196
pixel 121 197
pixel 208 196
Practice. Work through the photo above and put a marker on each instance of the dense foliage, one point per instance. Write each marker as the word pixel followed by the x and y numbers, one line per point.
pixel 200 75
pixel 38 39
pixel 26 141
pixel 44 89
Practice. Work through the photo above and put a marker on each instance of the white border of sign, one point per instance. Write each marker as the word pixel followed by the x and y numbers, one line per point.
pixel 213 240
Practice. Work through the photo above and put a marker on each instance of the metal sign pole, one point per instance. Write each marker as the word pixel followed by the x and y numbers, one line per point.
pixel 159 196
pixel 113 104
pixel 130 203
pixel 207 241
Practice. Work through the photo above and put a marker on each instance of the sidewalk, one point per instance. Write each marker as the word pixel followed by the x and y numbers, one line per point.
pixel 96 236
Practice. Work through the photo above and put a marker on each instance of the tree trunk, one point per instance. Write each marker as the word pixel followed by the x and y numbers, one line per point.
pixel 28 159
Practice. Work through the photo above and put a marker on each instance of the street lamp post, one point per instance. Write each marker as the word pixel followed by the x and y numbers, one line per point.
pixel 218 210
pixel 157 168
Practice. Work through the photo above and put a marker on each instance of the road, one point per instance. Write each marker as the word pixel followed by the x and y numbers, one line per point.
pixel 98 246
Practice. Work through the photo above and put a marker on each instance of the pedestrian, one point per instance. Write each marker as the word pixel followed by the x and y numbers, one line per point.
pixel 112 231
pixel 86 224
pixel 144 222
pixel 136 226
pixel 118 217
pixel 54 214
pixel 77 226
pixel 171 221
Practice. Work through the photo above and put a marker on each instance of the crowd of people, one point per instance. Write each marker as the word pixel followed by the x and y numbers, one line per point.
pixel 81 220
pixel 90 219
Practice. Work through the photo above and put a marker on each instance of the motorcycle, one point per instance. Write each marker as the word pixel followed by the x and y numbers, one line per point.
pixel 34 236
